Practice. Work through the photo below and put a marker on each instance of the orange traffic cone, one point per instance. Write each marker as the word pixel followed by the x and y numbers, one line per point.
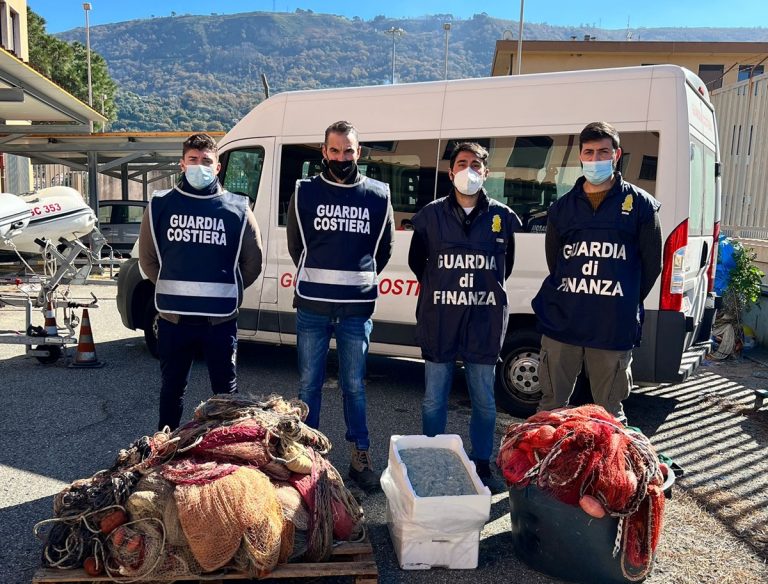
pixel 51 328
pixel 86 349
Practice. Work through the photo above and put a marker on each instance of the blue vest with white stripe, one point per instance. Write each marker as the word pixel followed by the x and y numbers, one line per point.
pixel 341 226
pixel 198 242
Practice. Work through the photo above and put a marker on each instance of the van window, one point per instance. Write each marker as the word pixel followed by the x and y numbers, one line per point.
pixel 407 166
pixel 529 173
pixel 698 190
pixel 708 225
pixel 242 171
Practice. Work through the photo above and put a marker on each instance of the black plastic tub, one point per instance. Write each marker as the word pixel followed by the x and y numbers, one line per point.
pixel 563 541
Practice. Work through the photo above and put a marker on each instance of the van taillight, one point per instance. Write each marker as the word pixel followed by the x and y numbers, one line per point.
pixel 672 274
pixel 713 257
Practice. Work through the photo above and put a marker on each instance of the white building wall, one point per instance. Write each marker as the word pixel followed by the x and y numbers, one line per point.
pixel 742 120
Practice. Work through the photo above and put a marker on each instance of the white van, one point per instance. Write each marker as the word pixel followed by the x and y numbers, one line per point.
pixel 530 125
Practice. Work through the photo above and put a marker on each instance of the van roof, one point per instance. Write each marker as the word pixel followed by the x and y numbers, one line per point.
pixel 468 105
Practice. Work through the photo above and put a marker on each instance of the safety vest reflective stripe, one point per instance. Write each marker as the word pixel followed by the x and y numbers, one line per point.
pixel 342 278
pixel 186 288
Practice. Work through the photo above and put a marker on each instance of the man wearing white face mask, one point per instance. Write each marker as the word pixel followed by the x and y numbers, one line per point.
pixel 462 251
pixel 200 245
pixel 603 248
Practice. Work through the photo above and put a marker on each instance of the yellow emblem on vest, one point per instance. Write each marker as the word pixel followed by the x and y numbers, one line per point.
pixel 626 206
pixel 496 225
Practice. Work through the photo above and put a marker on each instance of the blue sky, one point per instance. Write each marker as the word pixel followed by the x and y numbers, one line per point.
pixel 66 14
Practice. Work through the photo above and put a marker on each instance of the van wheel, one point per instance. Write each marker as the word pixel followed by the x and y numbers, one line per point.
pixel 150 328
pixel 517 377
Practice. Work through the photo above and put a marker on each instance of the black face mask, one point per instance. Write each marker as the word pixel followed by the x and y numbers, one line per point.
pixel 342 169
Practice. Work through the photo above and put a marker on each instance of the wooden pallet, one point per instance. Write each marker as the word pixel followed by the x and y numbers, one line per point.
pixel 347 559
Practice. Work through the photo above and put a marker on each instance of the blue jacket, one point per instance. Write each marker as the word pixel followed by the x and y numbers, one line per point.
pixel 462 310
pixel 593 297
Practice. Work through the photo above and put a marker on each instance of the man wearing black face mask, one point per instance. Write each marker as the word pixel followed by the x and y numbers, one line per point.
pixel 340 233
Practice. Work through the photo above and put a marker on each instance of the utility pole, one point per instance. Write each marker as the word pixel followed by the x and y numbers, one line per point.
pixel 447 29
pixel 87 8
pixel 395 32
pixel 520 41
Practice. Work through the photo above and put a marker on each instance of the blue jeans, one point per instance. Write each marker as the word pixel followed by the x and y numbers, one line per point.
pixel 313 335
pixel 177 345
pixel 434 409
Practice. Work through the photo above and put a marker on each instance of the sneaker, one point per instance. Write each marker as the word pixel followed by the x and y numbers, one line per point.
pixel 361 470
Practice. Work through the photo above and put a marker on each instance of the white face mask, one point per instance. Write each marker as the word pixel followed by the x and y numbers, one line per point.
pixel 199 176
pixel 468 181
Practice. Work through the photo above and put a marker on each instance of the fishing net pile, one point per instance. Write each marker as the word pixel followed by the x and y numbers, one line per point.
pixel 584 456
pixel 244 486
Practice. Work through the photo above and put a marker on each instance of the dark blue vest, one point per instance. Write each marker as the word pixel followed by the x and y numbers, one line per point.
pixel 462 310
pixel 341 226
pixel 593 298
pixel 198 242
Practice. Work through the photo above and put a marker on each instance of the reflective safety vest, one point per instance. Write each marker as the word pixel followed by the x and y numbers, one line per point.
pixel 198 240
pixel 593 297
pixel 341 226
pixel 462 309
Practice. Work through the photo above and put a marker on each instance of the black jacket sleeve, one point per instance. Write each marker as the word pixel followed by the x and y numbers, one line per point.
pixel 509 260
pixel 295 243
pixel 551 246
pixel 418 254
pixel 649 244
pixel 387 243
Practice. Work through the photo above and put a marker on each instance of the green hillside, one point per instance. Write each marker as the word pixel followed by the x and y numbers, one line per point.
pixel 203 72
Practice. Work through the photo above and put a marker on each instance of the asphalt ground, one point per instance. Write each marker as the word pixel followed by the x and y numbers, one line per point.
pixel 61 424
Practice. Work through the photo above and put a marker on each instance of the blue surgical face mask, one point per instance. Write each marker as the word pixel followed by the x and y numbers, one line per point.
pixel 199 176
pixel 598 172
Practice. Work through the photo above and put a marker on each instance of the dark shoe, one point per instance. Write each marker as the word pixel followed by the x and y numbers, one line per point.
pixel 361 470
pixel 483 469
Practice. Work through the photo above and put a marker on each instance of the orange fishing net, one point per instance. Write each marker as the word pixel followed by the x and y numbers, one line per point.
pixel 239 507
pixel 244 486
pixel 584 454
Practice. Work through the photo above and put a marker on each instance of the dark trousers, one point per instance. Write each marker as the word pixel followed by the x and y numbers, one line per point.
pixel 178 344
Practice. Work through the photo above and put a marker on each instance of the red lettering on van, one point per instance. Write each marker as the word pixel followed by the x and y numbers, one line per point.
pixel 286 280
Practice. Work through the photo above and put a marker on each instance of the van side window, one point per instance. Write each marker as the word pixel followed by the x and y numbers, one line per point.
pixel 407 166
pixel 242 171
pixel 529 173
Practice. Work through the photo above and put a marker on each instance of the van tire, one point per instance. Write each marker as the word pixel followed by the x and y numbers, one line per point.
pixel 517 376
pixel 150 328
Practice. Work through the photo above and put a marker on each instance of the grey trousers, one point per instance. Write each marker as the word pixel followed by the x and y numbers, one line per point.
pixel 610 375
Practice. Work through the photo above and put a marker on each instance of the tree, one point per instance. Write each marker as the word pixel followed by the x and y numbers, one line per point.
pixel 66 64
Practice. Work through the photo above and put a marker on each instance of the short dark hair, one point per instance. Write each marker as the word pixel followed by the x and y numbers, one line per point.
pixel 597 131
pixel 472 147
pixel 200 142
pixel 341 127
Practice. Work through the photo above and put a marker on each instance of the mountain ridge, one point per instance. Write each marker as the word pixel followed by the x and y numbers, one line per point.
pixel 188 72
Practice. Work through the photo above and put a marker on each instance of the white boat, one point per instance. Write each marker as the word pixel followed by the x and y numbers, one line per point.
pixel 55 213
pixel 14 216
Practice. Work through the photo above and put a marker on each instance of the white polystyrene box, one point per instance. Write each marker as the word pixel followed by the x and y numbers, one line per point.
pixel 433 531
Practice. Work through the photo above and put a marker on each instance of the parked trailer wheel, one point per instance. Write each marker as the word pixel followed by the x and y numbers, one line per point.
pixel 54 354
pixel 517 376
